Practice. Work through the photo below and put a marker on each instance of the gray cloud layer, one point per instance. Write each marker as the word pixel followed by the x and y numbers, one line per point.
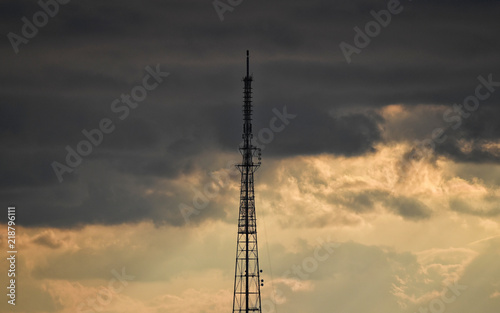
pixel 65 79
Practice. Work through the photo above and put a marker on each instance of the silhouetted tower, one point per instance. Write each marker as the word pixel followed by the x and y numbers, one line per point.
pixel 247 281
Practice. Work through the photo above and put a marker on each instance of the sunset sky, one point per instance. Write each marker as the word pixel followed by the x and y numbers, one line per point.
pixel 379 189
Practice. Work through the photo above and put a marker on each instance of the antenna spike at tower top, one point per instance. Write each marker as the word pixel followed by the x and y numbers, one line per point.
pixel 248 63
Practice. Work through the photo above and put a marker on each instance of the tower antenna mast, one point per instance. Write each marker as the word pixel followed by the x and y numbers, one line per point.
pixel 247 280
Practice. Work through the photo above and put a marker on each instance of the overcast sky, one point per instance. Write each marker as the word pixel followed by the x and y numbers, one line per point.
pixel 379 188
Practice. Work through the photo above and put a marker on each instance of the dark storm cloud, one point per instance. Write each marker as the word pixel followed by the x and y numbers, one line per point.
pixel 112 201
pixel 26 168
pixel 409 208
pixel 48 239
pixel 103 204
pixel 298 123
pixel 367 200
pixel 65 78
pixel 472 138
pixel 459 205
pixel 477 131
pixel 352 134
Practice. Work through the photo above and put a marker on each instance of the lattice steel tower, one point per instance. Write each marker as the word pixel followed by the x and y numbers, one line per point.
pixel 247 281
